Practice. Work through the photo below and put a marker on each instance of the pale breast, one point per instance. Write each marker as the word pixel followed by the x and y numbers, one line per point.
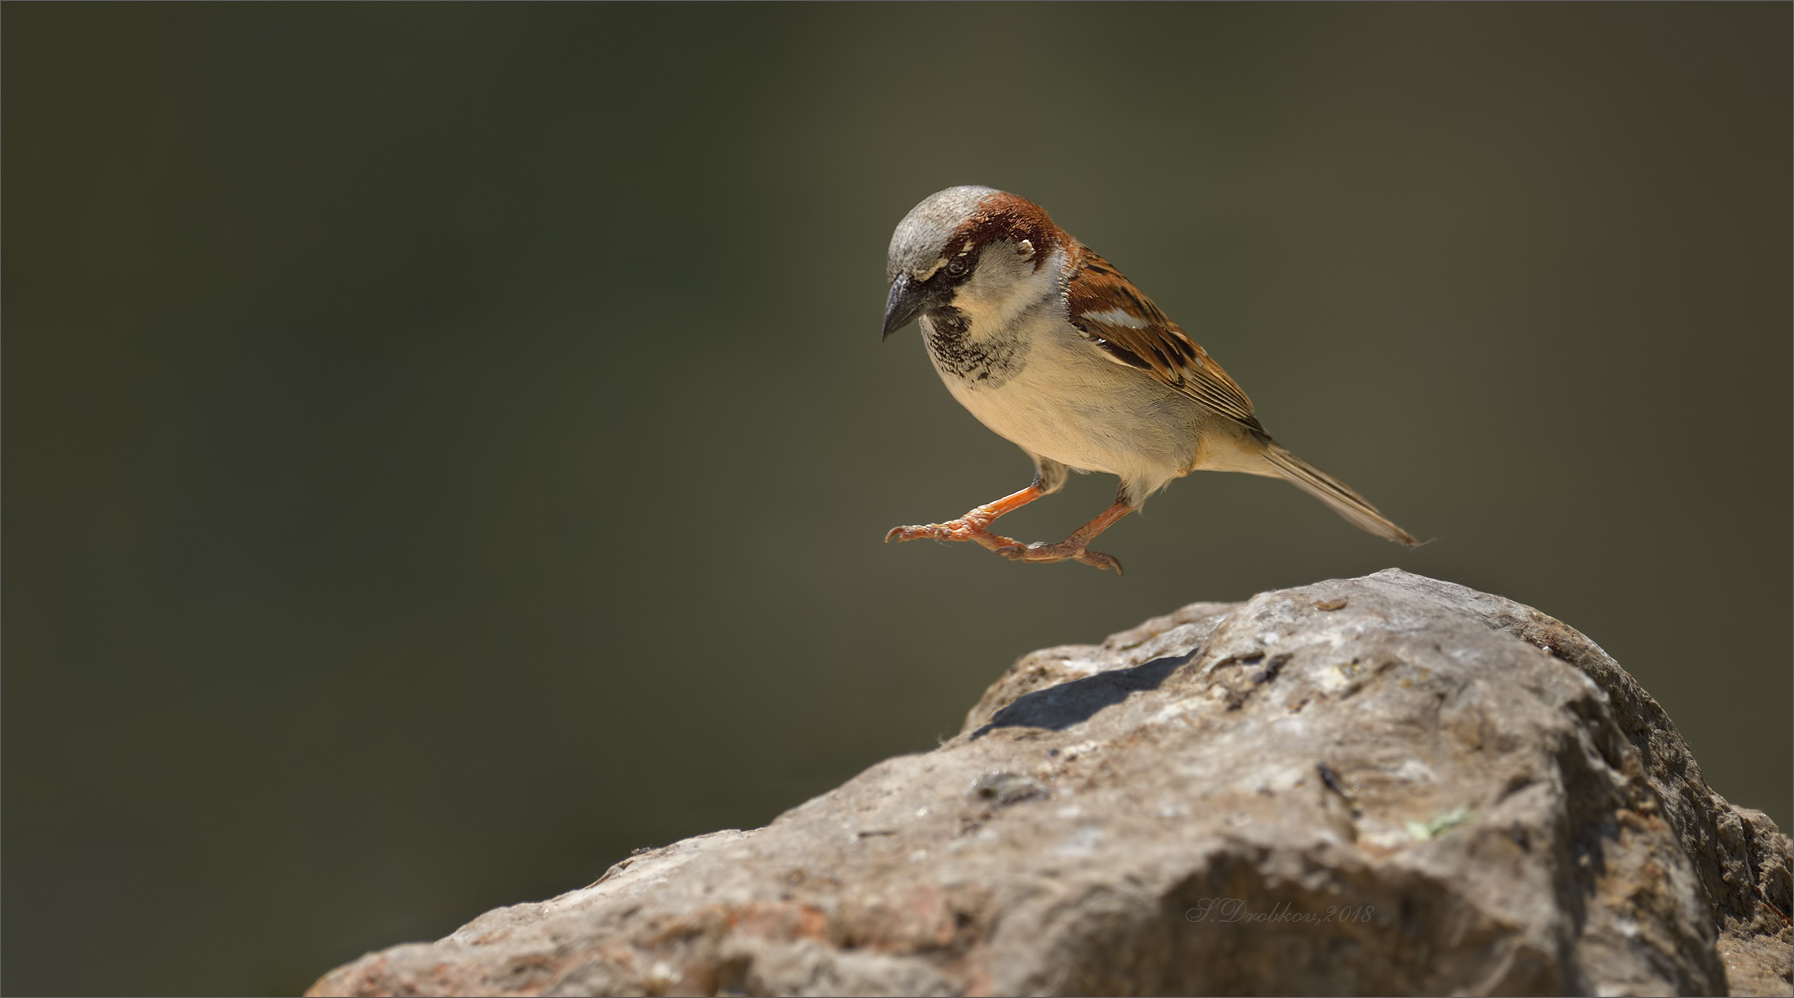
pixel 1050 393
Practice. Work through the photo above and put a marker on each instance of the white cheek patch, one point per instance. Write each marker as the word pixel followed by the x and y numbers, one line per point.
pixel 1117 317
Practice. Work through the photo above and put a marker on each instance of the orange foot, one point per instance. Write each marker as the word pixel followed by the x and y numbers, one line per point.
pixel 965 528
pixel 975 527
pixel 1066 550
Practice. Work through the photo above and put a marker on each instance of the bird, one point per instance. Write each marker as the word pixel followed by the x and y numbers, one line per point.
pixel 1052 349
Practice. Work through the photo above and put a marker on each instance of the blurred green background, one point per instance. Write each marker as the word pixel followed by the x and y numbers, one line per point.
pixel 446 447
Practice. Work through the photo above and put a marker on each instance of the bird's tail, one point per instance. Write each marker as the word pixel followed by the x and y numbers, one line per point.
pixel 1334 493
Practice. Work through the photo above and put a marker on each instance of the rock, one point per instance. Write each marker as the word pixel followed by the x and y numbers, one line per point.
pixel 1379 785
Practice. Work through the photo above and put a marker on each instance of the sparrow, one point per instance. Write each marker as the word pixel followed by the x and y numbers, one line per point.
pixel 1053 350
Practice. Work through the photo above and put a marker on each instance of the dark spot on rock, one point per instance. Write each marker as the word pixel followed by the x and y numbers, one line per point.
pixel 1059 707
pixel 1271 669
pixel 1333 782
pixel 1004 789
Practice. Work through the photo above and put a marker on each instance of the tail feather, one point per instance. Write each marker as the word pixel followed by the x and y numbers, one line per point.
pixel 1334 493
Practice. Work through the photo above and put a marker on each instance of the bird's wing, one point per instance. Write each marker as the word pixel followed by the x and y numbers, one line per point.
pixel 1110 312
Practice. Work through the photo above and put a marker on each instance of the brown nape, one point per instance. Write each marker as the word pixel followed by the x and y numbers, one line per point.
pixel 1006 216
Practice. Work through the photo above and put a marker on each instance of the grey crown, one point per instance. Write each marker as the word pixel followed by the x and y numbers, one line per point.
pixel 916 244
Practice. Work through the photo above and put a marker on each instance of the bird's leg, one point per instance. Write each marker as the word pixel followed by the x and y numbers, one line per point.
pixel 1074 547
pixel 974 526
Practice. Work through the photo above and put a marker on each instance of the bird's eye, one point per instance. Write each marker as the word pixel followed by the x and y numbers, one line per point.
pixel 957 267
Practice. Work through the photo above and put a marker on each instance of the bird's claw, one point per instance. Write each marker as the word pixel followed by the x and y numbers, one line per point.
pixel 937 531
pixel 1100 561
pixel 1042 552
pixel 976 530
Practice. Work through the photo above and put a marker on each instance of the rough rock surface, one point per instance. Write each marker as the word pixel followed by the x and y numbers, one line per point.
pixel 1380 785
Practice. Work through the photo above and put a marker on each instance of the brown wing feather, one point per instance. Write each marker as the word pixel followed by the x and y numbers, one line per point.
pixel 1113 314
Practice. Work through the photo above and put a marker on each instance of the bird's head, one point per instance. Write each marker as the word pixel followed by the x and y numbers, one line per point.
pixel 986 253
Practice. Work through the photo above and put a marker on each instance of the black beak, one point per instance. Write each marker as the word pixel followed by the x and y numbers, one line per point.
pixel 908 299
